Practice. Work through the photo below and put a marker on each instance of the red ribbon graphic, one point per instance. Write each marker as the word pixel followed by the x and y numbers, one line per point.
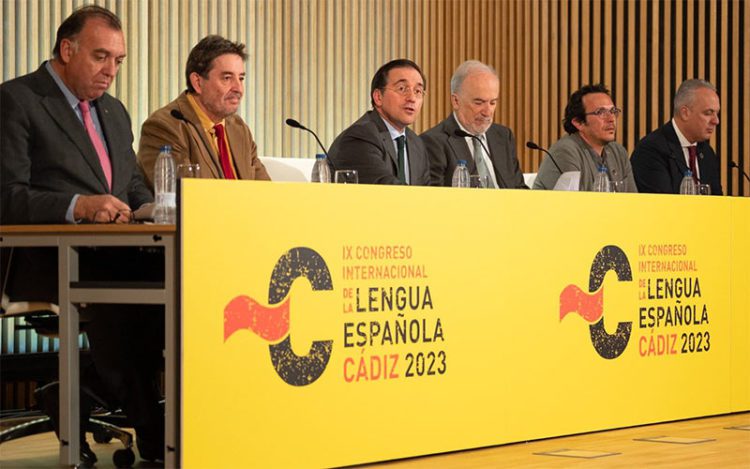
pixel 590 306
pixel 269 322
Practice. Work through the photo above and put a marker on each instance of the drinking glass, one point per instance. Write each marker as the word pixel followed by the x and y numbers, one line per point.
pixel 618 186
pixel 346 176
pixel 188 170
pixel 478 181
pixel 704 189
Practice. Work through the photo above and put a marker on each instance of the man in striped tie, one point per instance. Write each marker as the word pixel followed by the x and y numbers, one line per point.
pixel 474 95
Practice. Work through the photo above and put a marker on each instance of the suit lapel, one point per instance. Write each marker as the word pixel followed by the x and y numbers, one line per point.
pixel 61 112
pixel 385 137
pixel 459 146
pixel 238 148
pixel 205 146
pixel 675 150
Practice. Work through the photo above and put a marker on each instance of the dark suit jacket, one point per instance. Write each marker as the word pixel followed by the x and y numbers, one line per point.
pixel 47 156
pixel 367 147
pixel 659 163
pixel 445 149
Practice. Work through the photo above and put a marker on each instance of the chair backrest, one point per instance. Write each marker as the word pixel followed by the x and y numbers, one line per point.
pixel 288 169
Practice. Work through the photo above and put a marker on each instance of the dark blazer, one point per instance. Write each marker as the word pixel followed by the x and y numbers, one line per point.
pixel 47 157
pixel 445 149
pixel 659 163
pixel 367 147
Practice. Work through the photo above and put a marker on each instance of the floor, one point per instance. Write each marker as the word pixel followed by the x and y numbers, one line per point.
pixel 712 443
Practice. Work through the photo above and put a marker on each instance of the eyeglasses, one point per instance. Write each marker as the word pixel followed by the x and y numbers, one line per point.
pixel 602 112
pixel 405 90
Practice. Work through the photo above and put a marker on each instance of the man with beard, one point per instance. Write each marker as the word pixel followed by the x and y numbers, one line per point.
pixel 474 91
pixel 379 145
pixel 591 122
pixel 201 125
pixel 662 158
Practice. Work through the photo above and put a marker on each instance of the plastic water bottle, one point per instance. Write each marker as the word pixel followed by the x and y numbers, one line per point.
pixel 461 175
pixel 321 171
pixel 165 185
pixel 601 180
pixel 688 186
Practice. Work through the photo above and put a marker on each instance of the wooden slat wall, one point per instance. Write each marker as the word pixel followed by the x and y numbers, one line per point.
pixel 313 59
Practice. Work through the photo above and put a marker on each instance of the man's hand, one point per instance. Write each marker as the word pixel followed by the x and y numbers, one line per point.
pixel 101 209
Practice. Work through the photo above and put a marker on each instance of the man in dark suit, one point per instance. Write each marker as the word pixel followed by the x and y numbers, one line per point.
pixel 67 157
pixel 662 158
pixel 379 145
pixel 474 91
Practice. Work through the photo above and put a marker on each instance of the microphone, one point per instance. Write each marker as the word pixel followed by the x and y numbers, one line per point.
pixel 534 146
pixel 180 116
pixel 297 125
pixel 732 164
pixel 461 133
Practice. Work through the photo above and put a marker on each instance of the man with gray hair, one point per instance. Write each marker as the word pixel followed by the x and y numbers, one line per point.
pixel 664 156
pixel 474 96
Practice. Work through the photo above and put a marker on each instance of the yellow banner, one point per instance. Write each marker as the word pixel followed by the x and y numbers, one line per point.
pixel 330 325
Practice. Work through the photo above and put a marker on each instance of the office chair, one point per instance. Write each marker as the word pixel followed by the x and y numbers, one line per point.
pixel 42 317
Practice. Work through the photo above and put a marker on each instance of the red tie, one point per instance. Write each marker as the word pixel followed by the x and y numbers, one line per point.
pixel 693 156
pixel 101 150
pixel 226 165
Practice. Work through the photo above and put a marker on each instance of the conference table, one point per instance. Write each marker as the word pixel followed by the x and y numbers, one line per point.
pixel 67 239
pixel 309 317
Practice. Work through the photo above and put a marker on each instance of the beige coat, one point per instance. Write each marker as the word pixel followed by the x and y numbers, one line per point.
pixel 190 143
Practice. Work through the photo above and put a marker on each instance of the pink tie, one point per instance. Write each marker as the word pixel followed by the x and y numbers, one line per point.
pixel 101 150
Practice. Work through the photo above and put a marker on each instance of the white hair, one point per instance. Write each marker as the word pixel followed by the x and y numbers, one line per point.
pixel 465 69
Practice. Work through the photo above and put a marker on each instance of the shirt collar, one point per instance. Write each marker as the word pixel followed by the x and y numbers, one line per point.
pixel 392 130
pixel 69 96
pixel 683 141
pixel 206 121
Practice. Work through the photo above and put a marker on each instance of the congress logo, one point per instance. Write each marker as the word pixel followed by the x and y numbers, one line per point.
pixel 272 323
pixel 590 306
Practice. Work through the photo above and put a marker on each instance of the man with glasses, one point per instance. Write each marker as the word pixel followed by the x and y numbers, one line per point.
pixel 591 123
pixel 662 158
pixel 66 156
pixel 379 145
pixel 474 91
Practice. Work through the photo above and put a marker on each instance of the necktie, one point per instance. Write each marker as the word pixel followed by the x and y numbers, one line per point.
pixel 221 142
pixel 692 160
pixel 101 150
pixel 401 145
pixel 482 168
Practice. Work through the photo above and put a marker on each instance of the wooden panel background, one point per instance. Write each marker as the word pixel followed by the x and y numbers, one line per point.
pixel 313 59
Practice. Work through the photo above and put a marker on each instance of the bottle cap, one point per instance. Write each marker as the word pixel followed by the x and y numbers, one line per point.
pixel 462 162
pixel 688 173
pixel 167 148
pixel 320 156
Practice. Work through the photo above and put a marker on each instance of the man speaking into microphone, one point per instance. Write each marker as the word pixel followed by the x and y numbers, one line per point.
pixel 489 149
pixel 202 124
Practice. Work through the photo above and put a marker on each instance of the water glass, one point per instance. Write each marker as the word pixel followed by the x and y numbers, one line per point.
pixel 478 181
pixel 704 189
pixel 189 170
pixel 346 176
